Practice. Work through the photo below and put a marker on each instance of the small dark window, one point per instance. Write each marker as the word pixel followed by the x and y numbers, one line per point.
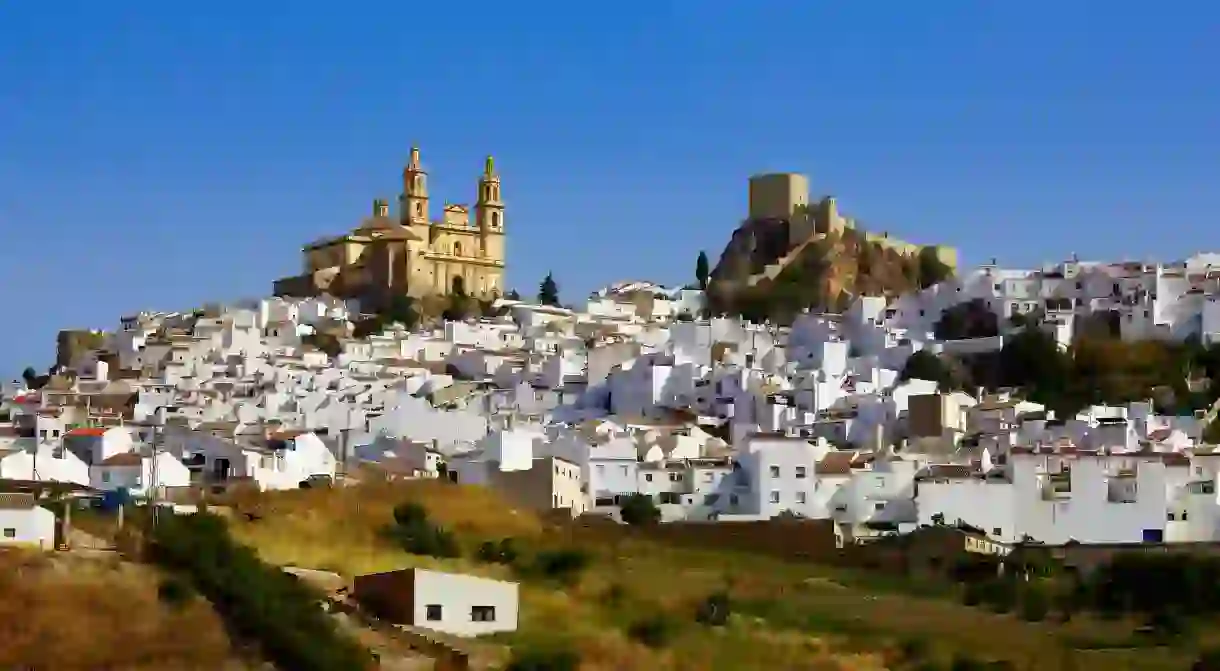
pixel 1169 517
pixel 434 612
pixel 10 532
pixel 482 613
pixel 997 532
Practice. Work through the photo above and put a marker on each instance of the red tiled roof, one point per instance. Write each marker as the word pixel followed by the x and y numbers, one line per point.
pixel 87 431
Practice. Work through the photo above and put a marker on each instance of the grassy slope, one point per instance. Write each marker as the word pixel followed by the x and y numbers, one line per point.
pixel 787 616
pixel 68 612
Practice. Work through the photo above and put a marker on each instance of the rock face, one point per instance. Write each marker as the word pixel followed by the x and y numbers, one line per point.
pixel 760 275
pixel 72 344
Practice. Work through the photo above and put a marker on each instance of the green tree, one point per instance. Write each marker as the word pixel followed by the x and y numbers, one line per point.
pixel 29 376
pixel 702 271
pixel 931 269
pixel 401 309
pixel 548 291
pixel 639 510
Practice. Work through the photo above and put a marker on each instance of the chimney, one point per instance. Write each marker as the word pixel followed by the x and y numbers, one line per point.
pixel 381 208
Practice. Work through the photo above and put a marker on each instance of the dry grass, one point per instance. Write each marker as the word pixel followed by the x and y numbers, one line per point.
pixel 64 612
pixel 786 616
pixel 338 530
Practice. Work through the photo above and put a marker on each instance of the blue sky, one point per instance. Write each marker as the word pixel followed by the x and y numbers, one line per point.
pixel 157 155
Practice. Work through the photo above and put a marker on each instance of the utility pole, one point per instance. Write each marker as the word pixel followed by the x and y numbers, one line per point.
pixel 158 436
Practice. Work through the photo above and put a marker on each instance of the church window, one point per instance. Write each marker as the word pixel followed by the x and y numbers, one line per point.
pixel 495 219
pixel 457 249
pixel 419 209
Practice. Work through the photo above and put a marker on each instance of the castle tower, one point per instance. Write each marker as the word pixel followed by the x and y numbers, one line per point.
pixel 413 204
pixel 489 209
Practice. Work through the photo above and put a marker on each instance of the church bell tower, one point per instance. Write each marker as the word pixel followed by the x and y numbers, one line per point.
pixel 413 204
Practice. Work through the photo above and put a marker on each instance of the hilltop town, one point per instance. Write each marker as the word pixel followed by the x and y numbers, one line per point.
pixel 1036 413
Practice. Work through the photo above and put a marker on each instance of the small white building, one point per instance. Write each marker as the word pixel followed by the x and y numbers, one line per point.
pixel 22 522
pixel 462 605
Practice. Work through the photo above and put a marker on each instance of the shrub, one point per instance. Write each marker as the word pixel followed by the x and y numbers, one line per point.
pixel 1035 604
pixel 258 601
pixel 504 552
pixel 564 565
pixel 1208 660
pixel 972 594
pixel 654 631
pixel 541 659
pixel 416 534
pixel 174 591
pixel 714 611
pixel 639 509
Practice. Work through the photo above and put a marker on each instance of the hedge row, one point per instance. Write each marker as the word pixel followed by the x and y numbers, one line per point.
pixel 260 602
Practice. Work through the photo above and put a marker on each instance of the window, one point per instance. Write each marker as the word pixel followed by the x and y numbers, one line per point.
pixel 622 470
pixel 775 471
pixel 601 470
pixel 800 471
pixel 997 532
pixel 648 477
pixel 1169 517
pixel 10 532
pixel 709 476
pixel 774 497
pixel 105 476
pixel 800 497
pixel 434 612
pixel 1184 515
pixel 732 499
pixel 482 613
pixel 675 477
pixel 878 507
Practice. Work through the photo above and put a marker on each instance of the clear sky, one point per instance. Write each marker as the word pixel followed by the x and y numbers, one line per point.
pixel 159 154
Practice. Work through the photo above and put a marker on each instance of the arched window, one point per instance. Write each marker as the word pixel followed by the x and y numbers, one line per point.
pixel 457 249
pixel 495 219
pixel 458 287
pixel 419 209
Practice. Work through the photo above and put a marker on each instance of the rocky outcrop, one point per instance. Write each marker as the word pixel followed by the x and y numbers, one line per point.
pixel 761 276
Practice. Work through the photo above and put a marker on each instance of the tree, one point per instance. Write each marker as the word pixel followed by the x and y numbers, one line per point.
pixel 512 295
pixel 931 269
pixel 639 510
pixel 30 376
pixel 548 291
pixel 401 309
pixel 701 270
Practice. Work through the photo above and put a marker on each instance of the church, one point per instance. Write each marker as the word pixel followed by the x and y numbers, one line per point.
pixel 411 253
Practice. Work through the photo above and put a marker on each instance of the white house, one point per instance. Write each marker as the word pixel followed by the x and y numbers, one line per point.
pixel 461 605
pixel 22 522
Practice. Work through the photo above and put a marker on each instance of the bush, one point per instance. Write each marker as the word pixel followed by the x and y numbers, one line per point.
pixel 714 611
pixel 639 509
pixel 999 594
pixel 540 659
pixel 654 631
pixel 564 565
pixel 504 552
pixel 1208 660
pixel 413 531
pixel 1035 604
pixel 174 591
pixel 258 601
pixel 972 594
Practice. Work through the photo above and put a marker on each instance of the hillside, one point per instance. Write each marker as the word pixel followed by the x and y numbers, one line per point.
pixel 635 605
pixel 760 276
pixel 67 612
